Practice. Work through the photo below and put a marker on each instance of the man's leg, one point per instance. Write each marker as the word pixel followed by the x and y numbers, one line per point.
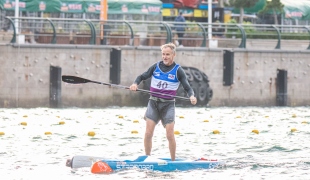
pixel 171 139
pixel 149 131
pixel 180 36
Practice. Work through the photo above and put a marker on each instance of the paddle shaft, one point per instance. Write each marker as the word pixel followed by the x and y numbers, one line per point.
pixel 79 80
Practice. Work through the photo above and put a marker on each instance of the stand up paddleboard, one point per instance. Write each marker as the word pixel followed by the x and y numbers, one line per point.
pixel 102 165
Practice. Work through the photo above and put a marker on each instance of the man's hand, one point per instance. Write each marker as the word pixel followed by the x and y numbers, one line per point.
pixel 193 100
pixel 133 87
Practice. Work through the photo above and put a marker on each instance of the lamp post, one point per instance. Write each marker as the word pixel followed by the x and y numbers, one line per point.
pixel 16 15
pixel 103 17
pixel 209 20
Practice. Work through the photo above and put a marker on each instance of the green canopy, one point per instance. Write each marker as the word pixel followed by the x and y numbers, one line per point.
pixel 32 5
pixel 293 9
pixel 296 9
pixel 85 6
pixel 252 10
pixel 134 7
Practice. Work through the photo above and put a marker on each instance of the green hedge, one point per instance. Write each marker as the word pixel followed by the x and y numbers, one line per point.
pixel 251 33
pixel 270 35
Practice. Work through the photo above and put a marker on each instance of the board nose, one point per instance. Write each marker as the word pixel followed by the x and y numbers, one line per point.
pixel 100 167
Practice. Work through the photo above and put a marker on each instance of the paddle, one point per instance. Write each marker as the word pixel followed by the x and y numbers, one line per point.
pixel 79 80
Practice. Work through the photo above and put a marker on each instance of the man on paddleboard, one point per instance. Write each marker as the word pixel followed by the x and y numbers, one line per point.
pixel 166 77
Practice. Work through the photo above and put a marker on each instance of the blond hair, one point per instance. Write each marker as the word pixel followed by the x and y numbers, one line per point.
pixel 169 45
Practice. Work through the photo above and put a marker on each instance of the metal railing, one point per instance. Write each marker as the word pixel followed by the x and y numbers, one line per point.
pixel 152 33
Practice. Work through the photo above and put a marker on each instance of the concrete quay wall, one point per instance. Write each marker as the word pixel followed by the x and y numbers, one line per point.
pixel 25 74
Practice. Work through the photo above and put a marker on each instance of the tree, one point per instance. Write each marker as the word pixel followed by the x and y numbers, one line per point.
pixel 274 6
pixel 221 3
pixel 241 4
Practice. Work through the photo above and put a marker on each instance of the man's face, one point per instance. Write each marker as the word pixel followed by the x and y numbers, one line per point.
pixel 167 56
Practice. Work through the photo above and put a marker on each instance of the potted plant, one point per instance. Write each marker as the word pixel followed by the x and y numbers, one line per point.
pixel 193 36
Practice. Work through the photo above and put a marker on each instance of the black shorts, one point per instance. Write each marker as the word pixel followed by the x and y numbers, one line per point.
pixel 164 111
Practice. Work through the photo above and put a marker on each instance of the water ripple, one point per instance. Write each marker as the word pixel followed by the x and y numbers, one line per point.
pixel 276 152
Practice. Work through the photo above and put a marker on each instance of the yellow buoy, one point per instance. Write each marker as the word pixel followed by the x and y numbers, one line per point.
pixel 23 123
pixel 48 133
pixel 293 129
pixel 2 133
pixel 134 132
pixel 304 122
pixel 205 120
pixel 266 116
pixel 91 133
pixel 255 131
pixel 177 132
pixel 294 115
pixel 120 116
pixel 25 116
pixel 135 121
pixel 61 122
pixel 216 132
pixel 238 117
pixel 58 116
pixel 181 117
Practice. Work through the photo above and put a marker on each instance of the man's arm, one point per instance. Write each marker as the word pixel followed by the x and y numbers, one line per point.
pixel 147 74
pixel 183 79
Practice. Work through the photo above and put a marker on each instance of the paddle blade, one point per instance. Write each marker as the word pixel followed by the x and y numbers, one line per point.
pixel 100 167
pixel 74 80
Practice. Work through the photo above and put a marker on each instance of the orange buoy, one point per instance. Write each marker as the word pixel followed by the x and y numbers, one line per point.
pixel 135 121
pixel 100 167
pixel 48 133
pixel 61 122
pixel 177 132
pixel 216 132
pixel 293 129
pixel 134 132
pixel 91 133
pixel 255 131
pixel 2 133
pixel 23 123
pixel 206 120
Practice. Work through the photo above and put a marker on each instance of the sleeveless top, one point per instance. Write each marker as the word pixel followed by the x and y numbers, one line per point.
pixel 165 83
